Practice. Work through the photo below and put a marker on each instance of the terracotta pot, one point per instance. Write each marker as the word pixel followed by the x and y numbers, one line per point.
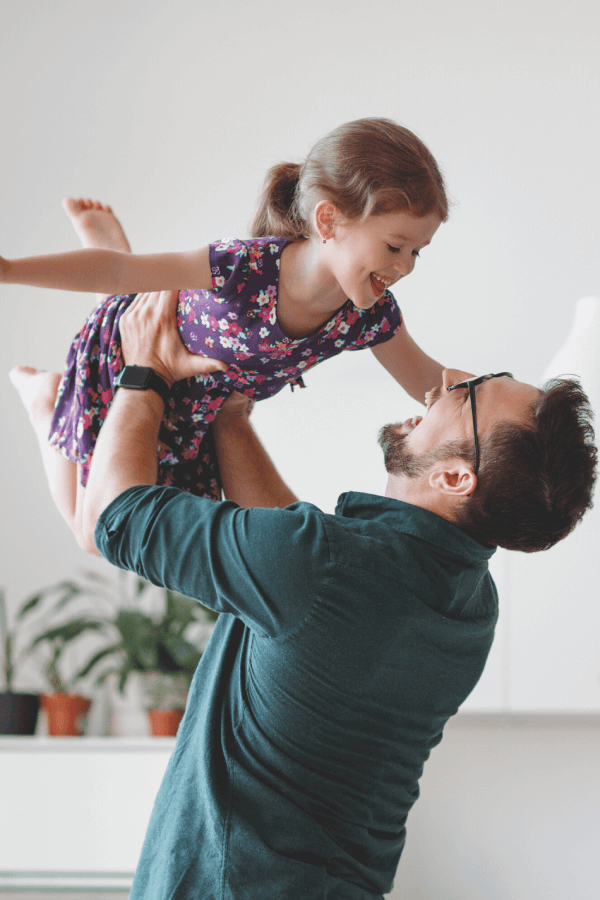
pixel 165 722
pixel 64 712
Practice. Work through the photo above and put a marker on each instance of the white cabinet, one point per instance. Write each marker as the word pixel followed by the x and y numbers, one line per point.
pixel 555 625
pixel 546 653
pixel 74 811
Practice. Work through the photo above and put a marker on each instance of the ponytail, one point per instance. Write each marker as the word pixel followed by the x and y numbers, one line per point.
pixel 365 168
pixel 277 215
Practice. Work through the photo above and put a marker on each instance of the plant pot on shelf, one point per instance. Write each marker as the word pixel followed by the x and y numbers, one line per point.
pixel 65 712
pixel 18 713
pixel 165 722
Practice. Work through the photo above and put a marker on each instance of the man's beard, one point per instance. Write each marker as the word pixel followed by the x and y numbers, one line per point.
pixel 399 459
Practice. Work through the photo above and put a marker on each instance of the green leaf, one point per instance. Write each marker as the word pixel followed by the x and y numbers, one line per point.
pixel 125 673
pixel 104 675
pixel 141 585
pixel 9 669
pixel 96 658
pixel 95 576
pixel 29 605
pixel 179 612
pixel 68 631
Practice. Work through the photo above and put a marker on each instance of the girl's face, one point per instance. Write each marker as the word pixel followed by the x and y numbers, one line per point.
pixel 366 258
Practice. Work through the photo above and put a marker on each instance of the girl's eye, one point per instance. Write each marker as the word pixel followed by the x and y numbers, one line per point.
pixel 394 249
pixel 416 253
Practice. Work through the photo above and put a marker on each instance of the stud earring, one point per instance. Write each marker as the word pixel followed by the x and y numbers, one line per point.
pixel 324 240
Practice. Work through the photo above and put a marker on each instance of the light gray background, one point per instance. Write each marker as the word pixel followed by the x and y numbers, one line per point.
pixel 173 113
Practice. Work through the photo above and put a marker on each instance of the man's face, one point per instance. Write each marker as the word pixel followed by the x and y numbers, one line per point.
pixel 446 430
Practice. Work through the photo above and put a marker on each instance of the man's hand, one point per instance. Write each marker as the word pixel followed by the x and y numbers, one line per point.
pixel 149 337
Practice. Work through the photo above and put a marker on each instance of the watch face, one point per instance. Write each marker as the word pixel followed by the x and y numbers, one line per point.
pixel 135 376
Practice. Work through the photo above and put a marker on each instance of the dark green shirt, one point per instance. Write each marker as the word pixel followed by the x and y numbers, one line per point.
pixel 345 643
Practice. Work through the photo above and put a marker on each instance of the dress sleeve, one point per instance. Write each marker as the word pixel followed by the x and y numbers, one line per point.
pixel 262 565
pixel 231 262
pixel 377 324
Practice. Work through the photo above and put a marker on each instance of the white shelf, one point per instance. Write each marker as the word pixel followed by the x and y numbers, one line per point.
pixel 50 786
pixel 45 743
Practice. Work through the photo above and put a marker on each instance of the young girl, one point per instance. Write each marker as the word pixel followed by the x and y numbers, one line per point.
pixel 329 239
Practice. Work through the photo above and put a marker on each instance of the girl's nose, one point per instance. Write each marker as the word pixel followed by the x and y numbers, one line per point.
pixel 405 265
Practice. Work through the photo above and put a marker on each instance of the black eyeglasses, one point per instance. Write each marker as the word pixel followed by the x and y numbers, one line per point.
pixel 471 383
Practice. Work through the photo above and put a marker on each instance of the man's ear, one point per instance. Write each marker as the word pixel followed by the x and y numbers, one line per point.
pixel 325 215
pixel 453 478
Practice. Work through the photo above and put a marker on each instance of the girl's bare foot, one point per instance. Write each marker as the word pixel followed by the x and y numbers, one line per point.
pixel 96 224
pixel 37 389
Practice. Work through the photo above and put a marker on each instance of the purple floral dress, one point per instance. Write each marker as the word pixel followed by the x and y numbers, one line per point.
pixel 236 322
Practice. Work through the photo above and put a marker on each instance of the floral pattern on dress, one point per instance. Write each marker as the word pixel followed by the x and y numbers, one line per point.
pixel 235 322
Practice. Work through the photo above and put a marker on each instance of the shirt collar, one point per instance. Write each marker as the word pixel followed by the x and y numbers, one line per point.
pixel 407 518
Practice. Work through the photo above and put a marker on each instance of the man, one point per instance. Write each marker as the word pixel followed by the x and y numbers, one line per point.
pixel 346 641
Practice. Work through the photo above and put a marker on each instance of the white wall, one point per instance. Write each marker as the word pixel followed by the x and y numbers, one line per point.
pixel 500 816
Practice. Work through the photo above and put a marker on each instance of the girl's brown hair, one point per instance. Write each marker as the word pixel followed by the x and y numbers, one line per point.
pixel 366 167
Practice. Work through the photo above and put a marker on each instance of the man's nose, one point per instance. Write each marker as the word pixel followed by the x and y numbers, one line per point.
pixel 454 376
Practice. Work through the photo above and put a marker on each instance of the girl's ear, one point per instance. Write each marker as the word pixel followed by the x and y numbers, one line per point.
pixel 325 217
pixel 453 478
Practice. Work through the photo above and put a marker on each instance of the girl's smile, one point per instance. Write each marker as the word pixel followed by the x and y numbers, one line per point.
pixel 380 285
pixel 367 257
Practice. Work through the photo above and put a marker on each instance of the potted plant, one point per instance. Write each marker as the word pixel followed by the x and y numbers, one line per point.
pixel 161 648
pixel 64 706
pixel 18 711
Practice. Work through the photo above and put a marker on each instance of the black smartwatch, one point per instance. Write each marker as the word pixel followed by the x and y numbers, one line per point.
pixel 142 378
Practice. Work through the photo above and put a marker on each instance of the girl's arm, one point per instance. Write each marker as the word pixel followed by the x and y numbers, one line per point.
pixel 111 271
pixel 413 369
pixel 247 472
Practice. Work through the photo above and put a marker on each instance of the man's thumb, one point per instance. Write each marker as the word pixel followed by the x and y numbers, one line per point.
pixel 200 365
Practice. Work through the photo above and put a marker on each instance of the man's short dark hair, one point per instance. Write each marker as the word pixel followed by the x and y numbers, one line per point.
pixel 535 481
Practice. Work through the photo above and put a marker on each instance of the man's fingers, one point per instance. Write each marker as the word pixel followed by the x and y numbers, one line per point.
pixel 168 300
pixel 158 302
pixel 199 365
pixel 150 337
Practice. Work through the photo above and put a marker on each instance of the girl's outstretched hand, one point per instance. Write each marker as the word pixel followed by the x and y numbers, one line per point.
pixel 149 337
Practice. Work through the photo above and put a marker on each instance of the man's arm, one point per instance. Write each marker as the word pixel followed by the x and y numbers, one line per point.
pixel 249 477
pixel 125 452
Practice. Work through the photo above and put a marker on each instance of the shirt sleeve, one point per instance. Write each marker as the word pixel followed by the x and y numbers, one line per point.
pixel 378 324
pixel 264 566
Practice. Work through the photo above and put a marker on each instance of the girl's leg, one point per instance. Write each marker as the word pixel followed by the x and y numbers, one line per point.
pixel 96 225
pixel 98 228
pixel 37 390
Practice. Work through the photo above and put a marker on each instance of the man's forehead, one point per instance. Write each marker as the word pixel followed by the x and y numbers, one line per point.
pixel 501 396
